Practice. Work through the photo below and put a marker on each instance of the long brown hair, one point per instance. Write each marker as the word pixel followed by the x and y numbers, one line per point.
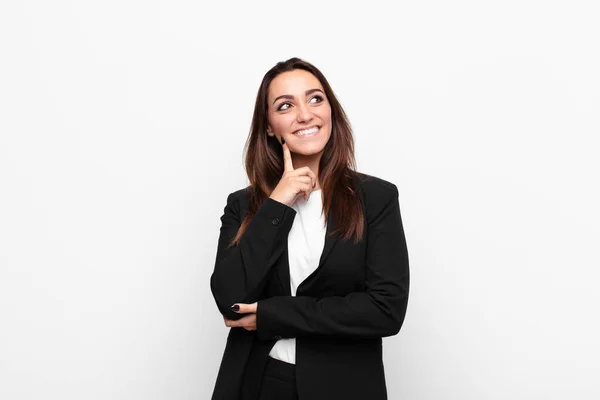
pixel 337 167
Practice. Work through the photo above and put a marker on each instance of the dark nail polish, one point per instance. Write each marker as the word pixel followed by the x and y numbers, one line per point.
pixel 282 140
pixel 235 307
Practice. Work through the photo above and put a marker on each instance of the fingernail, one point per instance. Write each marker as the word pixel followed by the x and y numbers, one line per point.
pixel 282 140
pixel 235 307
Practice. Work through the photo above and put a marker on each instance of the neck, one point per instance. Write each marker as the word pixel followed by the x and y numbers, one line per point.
pixel 312 162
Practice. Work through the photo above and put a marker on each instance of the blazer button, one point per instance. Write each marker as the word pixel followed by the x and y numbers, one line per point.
pixel 275 221
pixel 277 337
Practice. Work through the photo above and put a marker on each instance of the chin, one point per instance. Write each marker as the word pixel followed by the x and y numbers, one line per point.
pixel 308 148
pixel 308 151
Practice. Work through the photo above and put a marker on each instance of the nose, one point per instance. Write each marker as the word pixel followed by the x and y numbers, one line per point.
pixel 304 113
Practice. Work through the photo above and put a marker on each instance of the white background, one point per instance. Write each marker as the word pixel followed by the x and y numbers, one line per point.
pixel 122 125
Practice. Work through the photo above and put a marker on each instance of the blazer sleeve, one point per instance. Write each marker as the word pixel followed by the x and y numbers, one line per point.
pixel 240 271
pixel 379 311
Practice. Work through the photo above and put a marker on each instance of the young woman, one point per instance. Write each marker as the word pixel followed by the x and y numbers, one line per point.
pixel 311 269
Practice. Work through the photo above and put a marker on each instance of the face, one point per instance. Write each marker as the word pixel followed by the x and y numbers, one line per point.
pixel 299 111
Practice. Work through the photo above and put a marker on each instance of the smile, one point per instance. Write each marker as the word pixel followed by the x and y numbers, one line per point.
pixel 308 132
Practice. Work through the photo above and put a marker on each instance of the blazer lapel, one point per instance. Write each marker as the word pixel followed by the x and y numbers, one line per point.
pixel 283 273
pixel 330 241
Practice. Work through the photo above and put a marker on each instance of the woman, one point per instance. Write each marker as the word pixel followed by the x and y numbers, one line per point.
pixel 312 266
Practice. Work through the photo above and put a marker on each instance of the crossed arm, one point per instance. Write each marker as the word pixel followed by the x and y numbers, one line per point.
pixel 377 312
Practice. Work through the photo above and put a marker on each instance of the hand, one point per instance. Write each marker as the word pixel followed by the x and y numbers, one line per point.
pixel 294 182
pixel 248 322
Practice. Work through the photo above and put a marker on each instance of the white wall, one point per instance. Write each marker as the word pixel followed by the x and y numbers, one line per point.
pixel 121 132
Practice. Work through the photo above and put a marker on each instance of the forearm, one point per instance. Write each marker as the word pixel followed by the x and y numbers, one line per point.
pixel 360 314
pixel 241 272
pixel 378 311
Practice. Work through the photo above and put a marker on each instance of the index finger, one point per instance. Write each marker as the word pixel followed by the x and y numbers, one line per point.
pixel 287 159
pixel 247 308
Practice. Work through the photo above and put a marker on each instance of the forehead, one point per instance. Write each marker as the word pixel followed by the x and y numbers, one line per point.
pixel 294 82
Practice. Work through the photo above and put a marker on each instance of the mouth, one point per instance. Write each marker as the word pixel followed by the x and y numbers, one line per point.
pixel 307 132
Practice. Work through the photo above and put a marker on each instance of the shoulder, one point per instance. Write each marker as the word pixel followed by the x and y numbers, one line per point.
pixel 239 198
pixel 375 192
pixel 373 186
pixel 237 203
pixel 239 194
pixel 379 196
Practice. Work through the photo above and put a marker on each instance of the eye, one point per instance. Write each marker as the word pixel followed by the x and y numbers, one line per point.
pixel 281 105
pixel 318 97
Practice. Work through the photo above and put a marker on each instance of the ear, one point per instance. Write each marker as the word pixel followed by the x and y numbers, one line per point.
pixel 269 131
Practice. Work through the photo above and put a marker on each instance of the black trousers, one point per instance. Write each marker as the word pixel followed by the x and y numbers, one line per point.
pixel 278 381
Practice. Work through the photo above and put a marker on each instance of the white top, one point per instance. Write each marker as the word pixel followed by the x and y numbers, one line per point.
pixel 305 246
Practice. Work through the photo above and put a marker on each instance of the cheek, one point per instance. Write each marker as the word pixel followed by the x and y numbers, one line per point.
pixel 282 123
pixel 325 114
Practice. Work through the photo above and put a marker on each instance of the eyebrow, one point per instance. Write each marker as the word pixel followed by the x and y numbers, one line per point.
pixel 288 96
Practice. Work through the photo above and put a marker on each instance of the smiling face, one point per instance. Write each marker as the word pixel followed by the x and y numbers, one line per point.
pixel 299 111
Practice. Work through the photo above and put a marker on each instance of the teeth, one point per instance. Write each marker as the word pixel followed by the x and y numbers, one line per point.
pixel 307 131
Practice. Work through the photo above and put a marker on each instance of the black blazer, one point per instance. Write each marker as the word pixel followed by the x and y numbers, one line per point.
pixel 357 295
